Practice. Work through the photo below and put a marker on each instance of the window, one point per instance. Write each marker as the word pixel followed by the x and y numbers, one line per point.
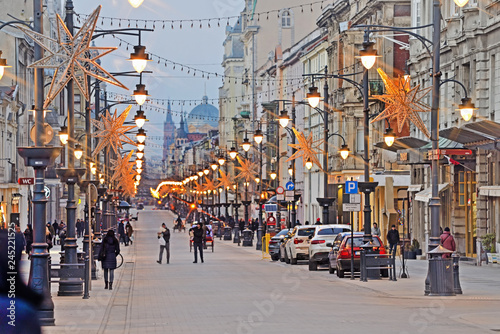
pixel 286 19
pixel 305 232
pixel 417 15
pixel 332 231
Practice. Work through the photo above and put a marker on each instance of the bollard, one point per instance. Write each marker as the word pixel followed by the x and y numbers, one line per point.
pixel 456 276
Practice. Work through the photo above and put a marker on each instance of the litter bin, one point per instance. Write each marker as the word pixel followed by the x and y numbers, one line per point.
pixel 247 238
pixel 367 249
pixel 441 278
pixel 227 233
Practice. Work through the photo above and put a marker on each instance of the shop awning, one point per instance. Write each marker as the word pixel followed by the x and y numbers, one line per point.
pixel 426 194
pixel 414 187
pixel 482 134
pixel 492 191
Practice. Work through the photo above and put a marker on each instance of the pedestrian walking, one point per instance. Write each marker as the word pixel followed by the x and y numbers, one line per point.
pixel 20 243
pixel 51 229
pixel 198 237
pixel 164 241
pixel 376 230
pixel 129 231
pixel 110 248
pixel 28 236
pixel 62 234
pixel 447 241
pixel 393 239
pixel 121 233
pixel 55 225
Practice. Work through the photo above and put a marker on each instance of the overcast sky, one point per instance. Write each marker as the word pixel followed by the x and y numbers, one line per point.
pixel 199 48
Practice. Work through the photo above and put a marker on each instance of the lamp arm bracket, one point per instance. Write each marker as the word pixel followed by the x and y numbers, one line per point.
pixel 124 31
pixel 337 134
pixel 13 24
pixel 455 81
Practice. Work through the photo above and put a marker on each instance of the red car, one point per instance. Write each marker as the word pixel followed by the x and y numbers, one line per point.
pixel 340 256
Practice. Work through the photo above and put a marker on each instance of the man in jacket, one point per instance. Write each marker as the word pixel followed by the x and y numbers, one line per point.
pixel 393 239
pixel 164 241
pixel 447 241
pixel 198 236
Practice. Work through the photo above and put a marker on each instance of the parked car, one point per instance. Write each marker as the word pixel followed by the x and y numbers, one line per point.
pixel 140 206
pixel 340 255
pixel 274 244
pixel 283 244
pixel 324 234
pixel 297 248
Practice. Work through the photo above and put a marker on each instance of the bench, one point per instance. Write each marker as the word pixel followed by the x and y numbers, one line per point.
pixel 377 262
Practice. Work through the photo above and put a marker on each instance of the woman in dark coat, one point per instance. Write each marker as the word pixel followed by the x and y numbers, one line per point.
pixel 110 248
pixel 28 235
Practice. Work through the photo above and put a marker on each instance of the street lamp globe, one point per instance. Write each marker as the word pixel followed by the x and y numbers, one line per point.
pixel 101 180
pixel 138 177
pixel 258 136
pixel 139 170
pixel 140 119
pixel 195 177
pixel 206 170
pixel 466 109
pixel 200 173
pixel 257 180
pixel 246 144
pixel 461 3
pixel 389 137
pixel 135 3
pixel 273 174
pixel 78 151
pixel 284 119
pixel 344 152
pixel 221 160
pixel 140 146
pixel 3 65
pixel 368 55
pixel 141 136
pixel 138 163
pixel 139 58
pixel 214 166
pixel 63 135
pixel 140 94
pixel 233 153
pixel 309 163
pixel 313 97
pixel 290 170
pixel 139 154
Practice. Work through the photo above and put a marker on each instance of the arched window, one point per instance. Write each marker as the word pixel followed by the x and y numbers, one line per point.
pixel 286 19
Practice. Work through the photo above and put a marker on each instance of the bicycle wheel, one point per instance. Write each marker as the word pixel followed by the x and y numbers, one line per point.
pixel 119 261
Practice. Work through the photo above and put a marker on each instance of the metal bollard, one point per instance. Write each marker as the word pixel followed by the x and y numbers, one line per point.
pixel 456 275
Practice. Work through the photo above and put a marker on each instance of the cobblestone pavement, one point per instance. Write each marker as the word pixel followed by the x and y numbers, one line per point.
pixel 236 291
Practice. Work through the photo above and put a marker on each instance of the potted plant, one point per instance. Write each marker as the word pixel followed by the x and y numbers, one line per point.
pixel 416 246
pixel 489 243
pixel 410 250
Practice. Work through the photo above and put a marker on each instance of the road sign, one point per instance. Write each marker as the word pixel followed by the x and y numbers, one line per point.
pixel 26 180
pixel 351 187
pixel 47 191
pixel 355 198
pixel 289 193
pixel 350 207
pixel 280 197
pixel 289 185
pixel 280 190
pixel 289 198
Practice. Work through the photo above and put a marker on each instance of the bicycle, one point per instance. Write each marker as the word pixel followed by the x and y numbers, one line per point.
pixel 119 261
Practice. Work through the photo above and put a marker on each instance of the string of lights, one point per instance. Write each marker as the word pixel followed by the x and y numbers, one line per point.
pixel 201 22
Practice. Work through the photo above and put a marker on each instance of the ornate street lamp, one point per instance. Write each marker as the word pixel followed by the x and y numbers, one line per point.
pixel 466 108
pixel 139 58
pixel 233 153
pixel 309 163
pixel 284 119
pixel 3 65
pixel 141 136
pixel 389 137
pixel 246 144
pixel 63 135
pixel 368 55
pixel 140 94
pixel 214 165
pixel 221 160
pixel 258 136
pixel 313 97
pixel 78 151
pixel 135 3
pixel 273 174
pixel 344 152
pixel 140 119
pixel 206 170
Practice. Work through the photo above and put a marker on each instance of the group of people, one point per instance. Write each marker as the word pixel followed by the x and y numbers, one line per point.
pixel 197 234
pixel 125 233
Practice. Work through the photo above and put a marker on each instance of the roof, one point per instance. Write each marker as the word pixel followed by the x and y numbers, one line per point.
pixel 204 113
pixel 402 143
pixel 484 134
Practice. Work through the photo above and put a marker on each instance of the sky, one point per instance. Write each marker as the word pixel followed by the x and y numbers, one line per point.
pixel 195 47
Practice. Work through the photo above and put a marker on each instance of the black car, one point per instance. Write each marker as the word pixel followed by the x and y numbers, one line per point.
pixel 274 244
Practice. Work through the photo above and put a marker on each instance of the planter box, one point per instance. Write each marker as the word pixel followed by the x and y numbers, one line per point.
pixel 410 255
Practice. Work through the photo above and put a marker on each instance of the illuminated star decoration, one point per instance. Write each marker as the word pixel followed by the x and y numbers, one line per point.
pixel 122 166
pixel 247 169
pixel 306 148
pixel 128 185
pixel 112 131
pixel 199 188
pixel 210 185
pixel 225 180
pixel 72 57
pixel 403 103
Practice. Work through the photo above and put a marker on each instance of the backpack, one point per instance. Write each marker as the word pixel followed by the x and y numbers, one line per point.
pixel 166 235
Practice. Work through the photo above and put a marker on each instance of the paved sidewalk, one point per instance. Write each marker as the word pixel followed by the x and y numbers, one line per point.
pixel 235 291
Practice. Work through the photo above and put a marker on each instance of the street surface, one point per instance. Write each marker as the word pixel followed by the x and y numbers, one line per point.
pixel 235 291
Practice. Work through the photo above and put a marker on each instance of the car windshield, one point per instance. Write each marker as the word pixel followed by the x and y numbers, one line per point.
pixel 358 242
pixel 282 232
pixel 305 232
pixel 332 230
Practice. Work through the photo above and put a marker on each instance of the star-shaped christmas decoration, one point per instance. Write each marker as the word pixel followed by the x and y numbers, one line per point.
pixel 72 57
pixel 122 166
pixel 306 148
pixel 403 103
pixel 247 169
pixel 127 184
pixel 199 187
pixel 225 180
pixel 210 185
pixel 112 131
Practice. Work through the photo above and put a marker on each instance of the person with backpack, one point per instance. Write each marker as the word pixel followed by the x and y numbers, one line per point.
pixel 164 241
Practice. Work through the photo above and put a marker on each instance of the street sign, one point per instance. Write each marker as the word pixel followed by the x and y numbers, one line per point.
pixel 289 193
pixel 280 197
pixel 289 198
pixel 26 180
pixel 280 190
pixel 351 187
pixel 350 207
pixel 289 185
pixel 355 198
pixel 47 191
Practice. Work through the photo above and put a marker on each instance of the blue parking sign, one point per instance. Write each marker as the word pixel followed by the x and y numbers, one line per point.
pixel 351 187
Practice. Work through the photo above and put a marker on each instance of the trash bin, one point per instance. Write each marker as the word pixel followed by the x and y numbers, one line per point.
pixel 227 233
pixel 247 238
pixel 441 273
pixel 367 248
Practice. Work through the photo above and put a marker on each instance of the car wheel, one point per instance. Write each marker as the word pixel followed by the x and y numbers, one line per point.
pixel 293 260
pixel 287 260
pixel 274 257
pixel 340 273
pixel 385 272
pixel 313 266
pixel 330 269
